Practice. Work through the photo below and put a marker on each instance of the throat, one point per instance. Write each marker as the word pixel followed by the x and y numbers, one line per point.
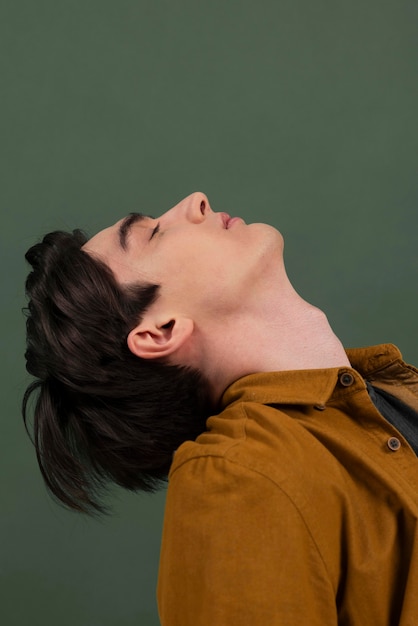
pixel 303 340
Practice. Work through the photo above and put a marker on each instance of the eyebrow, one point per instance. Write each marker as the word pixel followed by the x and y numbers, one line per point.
pixel 126 225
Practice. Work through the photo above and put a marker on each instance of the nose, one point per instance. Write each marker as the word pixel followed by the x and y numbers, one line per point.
pixel 195 207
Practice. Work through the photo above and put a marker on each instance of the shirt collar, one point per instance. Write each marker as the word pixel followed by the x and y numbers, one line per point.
pixel 309 386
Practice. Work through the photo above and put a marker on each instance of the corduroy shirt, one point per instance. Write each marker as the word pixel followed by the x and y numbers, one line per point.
pixel 298 506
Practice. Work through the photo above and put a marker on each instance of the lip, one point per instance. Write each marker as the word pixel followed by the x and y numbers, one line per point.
pixel 234 220
pixel 229 221
pixel 225 219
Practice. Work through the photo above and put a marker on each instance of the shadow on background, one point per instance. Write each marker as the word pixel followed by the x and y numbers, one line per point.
pixel 298 113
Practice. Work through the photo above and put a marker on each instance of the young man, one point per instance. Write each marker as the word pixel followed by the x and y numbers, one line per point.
pixel 297 502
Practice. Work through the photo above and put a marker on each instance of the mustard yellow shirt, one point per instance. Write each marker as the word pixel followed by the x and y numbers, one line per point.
pixel 298 507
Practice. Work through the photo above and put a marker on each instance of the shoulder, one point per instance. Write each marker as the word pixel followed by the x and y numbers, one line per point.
pixel 260 470
pixel 250 450
pixel 256 440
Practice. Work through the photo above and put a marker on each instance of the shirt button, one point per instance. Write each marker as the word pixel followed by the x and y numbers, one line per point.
pixel 394 444
pixel 346 379
pixel 319 407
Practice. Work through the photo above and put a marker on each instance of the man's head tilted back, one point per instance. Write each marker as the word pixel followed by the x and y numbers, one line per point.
pixel 129 336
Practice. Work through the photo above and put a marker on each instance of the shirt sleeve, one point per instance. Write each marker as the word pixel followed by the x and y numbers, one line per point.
pixel 237 552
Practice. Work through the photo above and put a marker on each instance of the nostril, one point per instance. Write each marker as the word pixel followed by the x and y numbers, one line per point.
pixel 203 207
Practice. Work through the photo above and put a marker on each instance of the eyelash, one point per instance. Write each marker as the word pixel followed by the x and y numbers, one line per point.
pixel 155 231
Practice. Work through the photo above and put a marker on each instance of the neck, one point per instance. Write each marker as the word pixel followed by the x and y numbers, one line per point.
pixel 283 332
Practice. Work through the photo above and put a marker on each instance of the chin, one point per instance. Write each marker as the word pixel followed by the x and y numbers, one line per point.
pixel 268 246
pixel 269 235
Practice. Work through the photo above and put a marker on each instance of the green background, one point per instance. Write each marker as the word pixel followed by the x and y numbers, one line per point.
pixel 297 112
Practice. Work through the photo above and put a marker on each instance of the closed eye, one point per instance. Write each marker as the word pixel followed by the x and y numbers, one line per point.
pixel 155 231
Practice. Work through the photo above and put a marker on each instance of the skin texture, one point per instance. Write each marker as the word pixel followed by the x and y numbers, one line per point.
pixel 226 305
pixel 202 264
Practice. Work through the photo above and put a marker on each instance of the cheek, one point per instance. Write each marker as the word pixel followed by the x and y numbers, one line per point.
pixel 200 268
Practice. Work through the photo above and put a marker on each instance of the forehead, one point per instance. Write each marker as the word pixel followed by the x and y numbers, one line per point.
pixel 115 236
pixel 106 247
pixel 103 239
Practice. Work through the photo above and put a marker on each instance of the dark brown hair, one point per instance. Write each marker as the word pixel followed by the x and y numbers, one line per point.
pixel 101 414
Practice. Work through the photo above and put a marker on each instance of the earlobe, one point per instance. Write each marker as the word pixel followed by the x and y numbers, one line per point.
pixel 152 341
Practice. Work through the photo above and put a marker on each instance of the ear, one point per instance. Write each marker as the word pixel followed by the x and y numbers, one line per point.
pixel 151 340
